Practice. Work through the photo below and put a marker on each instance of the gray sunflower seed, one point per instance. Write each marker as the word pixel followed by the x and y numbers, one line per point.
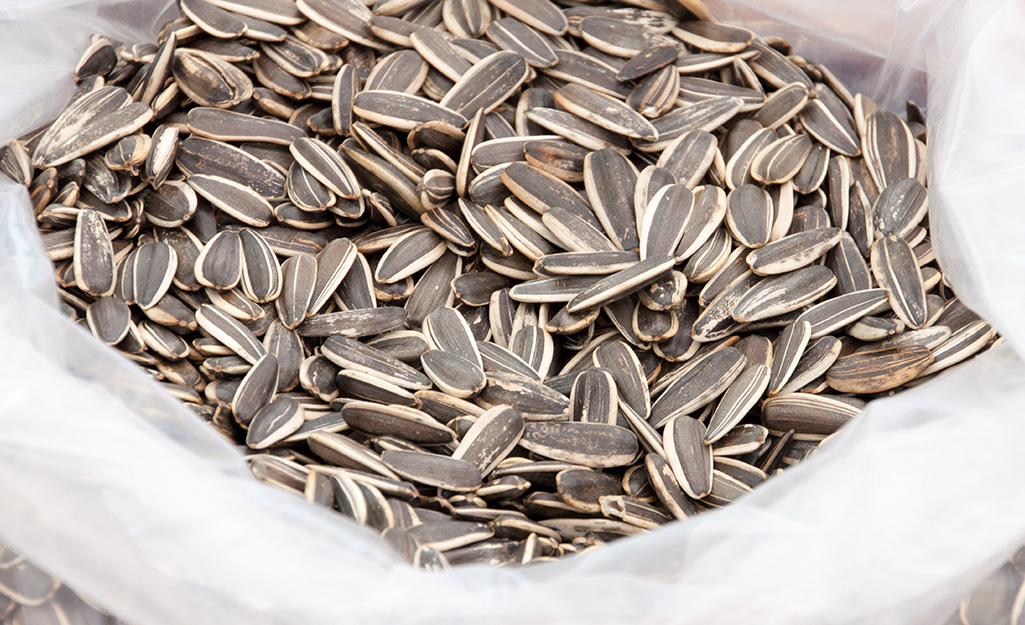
pixel 698 384
pixel 716 320
pixel 782 294
pixel 818 415
pixel 689 457
pixel 230 332
pixel 664 221
pixel 342 451
pixel 306 192
pixel 350 354
pixel 486 85
pixel 610 180
pixel 835 313
pixel 900 207
pixel 787 353
pixel 878 370
pixel 152 267
pixel 219 265
pixel 620 38
pixel 620 284
pixel 256 389
pixel 213 158
pixel 447 535
pixel 573 233
pixel 656 94
pixel 466 18
pixel 403 422
pixel 849 266
pixel 605 112
pixel 261 271
pixel 274 423
pixel 594 398
pixel 171 205
pixel 781 160
pixel 515 36
pixel 582 488
pixel 93 255
pixel 817 359
pixel 408 255
pixel 704 115
pixel 491 438
pixel 234 198
pixel 890 150
pixel 587 70
pixel 793 252
pixel 500 359
pixel 222 125
pixel 325 165
pixel 714 37
pixel 814 170
pixel 742 439
pixel 963 343
pixel 896 270
pixel 782 106
pixel 707 214
pixel 595 445
pixel 209 80
pixel 353 323
pixel 666 487
pixel 633 511
pixel 749 215
pixel 577 130
pixel 828 119
pixel 453 374
pixel 584 263
pixel 543 15
pixel 688 158
pixel 433 470
pixel 535 401
pixel 630 384
pixel 108 319
pixel 647 61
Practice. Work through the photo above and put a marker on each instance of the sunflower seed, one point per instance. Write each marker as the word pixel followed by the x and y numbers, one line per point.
pixel 406 423
pixel 697 385
pixel 152 267
pixel 540 14
pixel 890 150
pixel 256 389
pixel 828 119
pixel 749 215
pixel 604 111
pixel 93 255
pixel 688 456
pixel 877 370
pixel 818 415
pixel 896 270
pixel 835 313
pixel 595 445
pixel 782 294
pixel 486 85
pixel 350 354
pixel 433 470
pixel 491 438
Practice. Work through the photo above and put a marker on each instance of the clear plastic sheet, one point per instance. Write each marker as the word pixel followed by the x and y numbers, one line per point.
pixel 111 486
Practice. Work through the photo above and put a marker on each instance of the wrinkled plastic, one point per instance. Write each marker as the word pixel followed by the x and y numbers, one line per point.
pixel 130 499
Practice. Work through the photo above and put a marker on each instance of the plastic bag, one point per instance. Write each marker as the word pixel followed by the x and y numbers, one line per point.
pixel 110 485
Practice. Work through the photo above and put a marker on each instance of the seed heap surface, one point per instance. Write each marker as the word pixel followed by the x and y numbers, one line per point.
pixel 502 280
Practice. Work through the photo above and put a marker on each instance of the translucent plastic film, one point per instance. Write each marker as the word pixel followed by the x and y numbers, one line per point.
pixel 110 485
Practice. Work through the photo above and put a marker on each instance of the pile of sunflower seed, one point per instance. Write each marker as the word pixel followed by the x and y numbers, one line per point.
pixel 501 280
pixel 29 596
